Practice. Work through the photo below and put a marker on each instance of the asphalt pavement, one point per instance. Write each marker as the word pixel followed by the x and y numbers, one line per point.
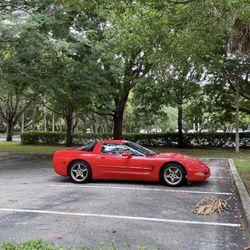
pixel 37 203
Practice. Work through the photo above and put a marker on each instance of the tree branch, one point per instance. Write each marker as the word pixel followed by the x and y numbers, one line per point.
pixel 3 114
pixel 242 109
pixel 234 89
pixel 182 2
pixel 18 114
pixel 52 110
pixel 110 113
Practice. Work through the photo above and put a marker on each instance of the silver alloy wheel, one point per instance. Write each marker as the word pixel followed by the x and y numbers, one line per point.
pixel 79 172
pixel 173 175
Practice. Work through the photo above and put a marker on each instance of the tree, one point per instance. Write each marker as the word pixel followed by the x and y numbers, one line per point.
pixel 90 56
pixel 67 65
pixel 206 30
pixel 174 85
pixel 57 59
pixel 182 84
pixel 15 77
pixel 12 104
pixel 16 95
pixel 128 43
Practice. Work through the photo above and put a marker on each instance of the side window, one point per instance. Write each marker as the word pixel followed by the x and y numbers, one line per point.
pixel 113 149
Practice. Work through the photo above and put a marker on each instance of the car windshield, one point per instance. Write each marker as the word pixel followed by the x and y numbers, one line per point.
pixel 88 147
pixel 139 148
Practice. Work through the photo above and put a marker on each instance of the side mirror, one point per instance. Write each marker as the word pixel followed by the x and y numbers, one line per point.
pixel 126 154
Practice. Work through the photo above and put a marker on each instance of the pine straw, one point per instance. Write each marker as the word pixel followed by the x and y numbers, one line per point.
pixel 210 206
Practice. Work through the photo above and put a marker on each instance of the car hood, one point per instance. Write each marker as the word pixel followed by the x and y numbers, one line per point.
pixel 190 161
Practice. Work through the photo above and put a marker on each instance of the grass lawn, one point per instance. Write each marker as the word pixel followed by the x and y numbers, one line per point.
pixel 242 160
pixel 18 147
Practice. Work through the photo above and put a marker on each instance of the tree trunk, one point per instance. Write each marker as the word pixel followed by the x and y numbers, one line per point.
pixel 74 125
pixel 44 114
pixel 22 122
pixel 53 122
pixel 33 119
pixel 180 133
pixel 118 120
pixel 9 131
pixel 237 135
pixel 60 125
pixel 118 116
pixel 69 138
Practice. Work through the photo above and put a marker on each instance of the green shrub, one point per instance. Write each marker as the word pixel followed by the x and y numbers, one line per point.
pixel 41 137
pixel 207 140
pixel 31 245
pixel 51 138
pixel 30 137
pixel 43 245
pixel 80 139
pixel 54 138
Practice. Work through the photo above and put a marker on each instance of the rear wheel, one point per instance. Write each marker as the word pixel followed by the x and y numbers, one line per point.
pixel 173 175
pixel 79 172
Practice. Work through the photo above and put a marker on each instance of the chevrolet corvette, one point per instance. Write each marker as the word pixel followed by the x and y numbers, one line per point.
pixel 125 160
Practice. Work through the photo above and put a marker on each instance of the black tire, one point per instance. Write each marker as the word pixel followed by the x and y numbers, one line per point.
pixel 79 172
pixel 173 174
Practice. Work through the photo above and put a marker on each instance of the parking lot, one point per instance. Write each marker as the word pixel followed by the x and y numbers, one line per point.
pixel 36 203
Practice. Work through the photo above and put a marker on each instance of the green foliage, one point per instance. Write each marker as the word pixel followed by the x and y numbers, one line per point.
pixel 90 55
pixel 41 137
pixel 205 113
pixel 80 139
pixel 207 140
pixel 43 245
pixel 55 138
pixel 164 119
pixel 31 245
pixel 219 140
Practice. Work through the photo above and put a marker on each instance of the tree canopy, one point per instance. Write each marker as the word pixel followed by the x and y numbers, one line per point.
pixel 121 58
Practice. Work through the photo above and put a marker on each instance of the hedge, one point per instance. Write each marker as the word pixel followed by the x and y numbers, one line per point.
pixel 41 137
pixel 54 138
pixel 80 139
pixel 214 140
pixel 204 140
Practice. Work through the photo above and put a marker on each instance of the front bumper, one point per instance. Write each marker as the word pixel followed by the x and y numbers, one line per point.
pixel 199 174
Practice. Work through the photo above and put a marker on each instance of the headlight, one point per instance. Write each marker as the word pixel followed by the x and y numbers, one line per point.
pixel 200 174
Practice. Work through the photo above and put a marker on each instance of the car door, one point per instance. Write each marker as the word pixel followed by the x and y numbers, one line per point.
pixel 145 164
pixel 112 164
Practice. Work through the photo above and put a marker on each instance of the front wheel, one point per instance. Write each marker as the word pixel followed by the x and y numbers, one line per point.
pixel 173 175
pixel 79 172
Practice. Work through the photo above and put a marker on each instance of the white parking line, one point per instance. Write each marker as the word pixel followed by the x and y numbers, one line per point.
pixel 119 217
pixel 139 189
pixel 219 177
pixel 211 167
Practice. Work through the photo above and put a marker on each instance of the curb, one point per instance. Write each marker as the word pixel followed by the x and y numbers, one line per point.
pixel 242 195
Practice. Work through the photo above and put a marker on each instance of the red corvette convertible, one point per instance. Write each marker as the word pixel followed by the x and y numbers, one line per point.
pixel 125 160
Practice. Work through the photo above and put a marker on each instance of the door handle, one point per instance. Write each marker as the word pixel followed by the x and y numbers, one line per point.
pixel 100 157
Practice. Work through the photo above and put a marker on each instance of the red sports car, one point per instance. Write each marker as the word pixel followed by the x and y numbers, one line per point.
pixel 125 160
